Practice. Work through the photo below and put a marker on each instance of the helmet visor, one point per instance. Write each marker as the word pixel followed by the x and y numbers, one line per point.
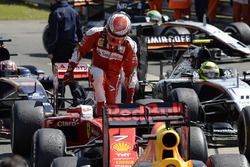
pixel 211 74
pixel 114 40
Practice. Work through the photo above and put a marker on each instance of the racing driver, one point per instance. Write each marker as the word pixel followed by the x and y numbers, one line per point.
pixel 112 50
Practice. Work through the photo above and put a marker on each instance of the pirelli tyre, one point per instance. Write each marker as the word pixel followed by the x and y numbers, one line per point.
pixel 176 31
pixel 142 55
pixel 228 160
pixel 190 98
pixel 47 144
pixel 45 36
pixel 244 132
pixel 240 31
pixel 139 92
pixel 26 118
pixel 193 143
pixel 70 162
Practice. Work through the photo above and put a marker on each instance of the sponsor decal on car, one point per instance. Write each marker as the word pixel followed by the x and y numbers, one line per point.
pixel 121 147
pixel 123 154
pixel 125 162
pixel 62 123
pixel 169 39
pixel 120 137
pixel 137 113
pixel 80 71
pixel 73 122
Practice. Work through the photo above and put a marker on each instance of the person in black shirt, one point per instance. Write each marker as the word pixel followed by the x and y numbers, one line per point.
pixel 63 34
pixel 201 8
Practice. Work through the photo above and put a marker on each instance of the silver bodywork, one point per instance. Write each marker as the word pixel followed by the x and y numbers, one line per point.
pixel 238 90
pixel 213 32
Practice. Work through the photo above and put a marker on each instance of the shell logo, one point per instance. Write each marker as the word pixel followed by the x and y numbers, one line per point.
pixel 122 147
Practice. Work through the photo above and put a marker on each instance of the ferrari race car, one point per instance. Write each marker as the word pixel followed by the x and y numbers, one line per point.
pixel 28 113
pixel 219 106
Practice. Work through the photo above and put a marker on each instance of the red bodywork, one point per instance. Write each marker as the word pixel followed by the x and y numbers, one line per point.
pixel 80 72
pixel 117 129
pixel 77 130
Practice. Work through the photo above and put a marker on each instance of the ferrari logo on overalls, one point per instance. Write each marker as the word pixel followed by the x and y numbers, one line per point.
pixel 101 42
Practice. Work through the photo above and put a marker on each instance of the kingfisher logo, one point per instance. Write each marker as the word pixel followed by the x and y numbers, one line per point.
pixel 168 39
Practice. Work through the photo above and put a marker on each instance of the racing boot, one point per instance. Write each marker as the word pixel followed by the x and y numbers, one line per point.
pixel 99 108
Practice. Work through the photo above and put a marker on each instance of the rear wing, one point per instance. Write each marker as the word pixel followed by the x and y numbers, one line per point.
pixel 80 72
pixel 137 115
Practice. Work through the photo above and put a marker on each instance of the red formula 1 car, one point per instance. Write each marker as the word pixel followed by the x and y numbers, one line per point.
pixel 28 113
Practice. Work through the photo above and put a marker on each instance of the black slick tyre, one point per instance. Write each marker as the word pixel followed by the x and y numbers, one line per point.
pixel 142 56
pixel 47 144
pixel 240 31
pixel 70 162
pixel 26 118
pixel 176 31
pixel 45 36
pixel 190 98
pixel 196 148
pixel 244 132
pixel 227 160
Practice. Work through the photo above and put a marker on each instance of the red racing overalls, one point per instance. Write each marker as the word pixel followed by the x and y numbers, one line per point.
pixel 107 63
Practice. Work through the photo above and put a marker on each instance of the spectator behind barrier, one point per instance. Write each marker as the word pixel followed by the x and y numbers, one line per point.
pixel 181 8
pixel 212 10
pixel 241 8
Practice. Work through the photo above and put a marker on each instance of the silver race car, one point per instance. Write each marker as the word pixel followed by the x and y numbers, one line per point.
pixel 221 106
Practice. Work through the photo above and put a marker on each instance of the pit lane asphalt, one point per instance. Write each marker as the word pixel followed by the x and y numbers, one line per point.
pixel 27 43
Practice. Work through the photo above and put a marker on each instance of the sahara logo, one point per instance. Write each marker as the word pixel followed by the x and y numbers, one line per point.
pixel 169 39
